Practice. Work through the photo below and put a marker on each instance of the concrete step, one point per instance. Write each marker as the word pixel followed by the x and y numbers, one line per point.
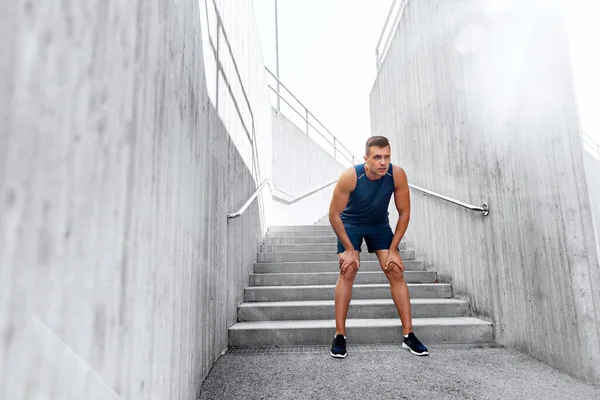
pixel 367 308
pixel 323 221
pixel 322 256
pixel 327 266
pixel 359 331
pixel 300 228
pixel 331 239
pixel 286 234
pixel 330 278
pixel 326 292
pixel 308 247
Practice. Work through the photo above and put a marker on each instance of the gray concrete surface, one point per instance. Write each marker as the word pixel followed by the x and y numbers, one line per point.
pixel 322 256
pixel 330 278
pixel 301 228
pixel 592 173
pixel 389 372
pixel 359 291
pixel 299 166
pixel 119 274
pixel 327 266
pixel 479 105
pixel 297 308
pixel 365 331
pixel 359 308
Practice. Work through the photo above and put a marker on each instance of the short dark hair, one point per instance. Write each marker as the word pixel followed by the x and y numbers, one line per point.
pixel 378 141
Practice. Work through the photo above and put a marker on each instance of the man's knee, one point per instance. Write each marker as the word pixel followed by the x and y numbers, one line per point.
pixel 350 272
pixel 393 272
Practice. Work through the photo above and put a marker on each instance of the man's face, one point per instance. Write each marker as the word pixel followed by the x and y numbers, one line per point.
pixel 378 160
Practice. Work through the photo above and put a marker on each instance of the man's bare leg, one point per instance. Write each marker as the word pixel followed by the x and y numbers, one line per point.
pixel 343 295
pixel 399 290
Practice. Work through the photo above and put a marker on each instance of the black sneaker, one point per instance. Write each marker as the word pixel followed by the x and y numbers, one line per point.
pixel 338 347
pixel 414 345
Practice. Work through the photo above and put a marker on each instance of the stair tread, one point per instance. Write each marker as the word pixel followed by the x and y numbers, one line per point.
pixel 334 273
pixel 322 252
pixel 358 323
pixel 297 254
pixel 357 285
pixel 357 302
pixel 302 227
pixel 325 262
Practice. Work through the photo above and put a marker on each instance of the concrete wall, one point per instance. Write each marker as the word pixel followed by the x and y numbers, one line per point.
pixel 119 274
pixel 592 172
pixel 299 166
pixel 237 86
pixel 479 105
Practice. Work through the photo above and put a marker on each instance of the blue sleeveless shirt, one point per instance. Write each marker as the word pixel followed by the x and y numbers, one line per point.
pixel 369 201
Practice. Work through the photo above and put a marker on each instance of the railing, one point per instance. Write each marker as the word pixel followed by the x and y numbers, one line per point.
pixel 231 215
pixel 388 31
pixel 275 193
pixel 592 145
pixel 485 209
pixel 326 139
pixel 292 199
pixel 222 40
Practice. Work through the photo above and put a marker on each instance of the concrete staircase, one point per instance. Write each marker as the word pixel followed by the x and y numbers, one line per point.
pixel 290 297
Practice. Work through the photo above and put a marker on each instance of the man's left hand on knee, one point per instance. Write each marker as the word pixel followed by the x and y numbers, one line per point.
pixel 394 258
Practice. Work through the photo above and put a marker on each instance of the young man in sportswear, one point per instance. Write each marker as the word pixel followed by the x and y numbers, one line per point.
pixel 359 209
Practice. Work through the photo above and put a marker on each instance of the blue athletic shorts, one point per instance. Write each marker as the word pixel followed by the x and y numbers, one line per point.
pixel 377 237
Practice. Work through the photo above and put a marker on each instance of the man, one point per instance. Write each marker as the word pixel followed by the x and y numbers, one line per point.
pixel 359 209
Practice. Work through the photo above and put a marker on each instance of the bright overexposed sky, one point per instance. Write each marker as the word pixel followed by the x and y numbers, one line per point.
pixel 327 58
pixel 584 37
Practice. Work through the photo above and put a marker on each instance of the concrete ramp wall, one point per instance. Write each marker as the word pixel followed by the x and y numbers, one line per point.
pixel 592 173
pixel 119 274
pixel 299 166
pixel 478 100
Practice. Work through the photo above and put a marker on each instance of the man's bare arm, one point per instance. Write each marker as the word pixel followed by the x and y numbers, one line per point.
pixel 339 201
pixel 402 200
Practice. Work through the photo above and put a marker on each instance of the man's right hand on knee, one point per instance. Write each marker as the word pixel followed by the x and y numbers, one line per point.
pixel 347 258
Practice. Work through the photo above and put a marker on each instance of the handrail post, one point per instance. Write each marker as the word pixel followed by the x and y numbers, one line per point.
pixel 306 109
pixel 232 215
pixel 306 115
pixel 334 148
pixel 277 55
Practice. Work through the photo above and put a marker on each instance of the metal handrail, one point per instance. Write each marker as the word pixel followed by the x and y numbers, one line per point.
pixel 379 55
pixel 305 108
pixel 285 87
pixel 485 209
pixel 591 143
pixel 231 215
pixel 298 198
pixel 273 189
pixel 308 123
pixel 336 145
pixel 221 28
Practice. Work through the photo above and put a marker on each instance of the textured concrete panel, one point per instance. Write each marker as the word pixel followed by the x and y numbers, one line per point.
pixel 119 274
pixel 592 172
pixel 479 104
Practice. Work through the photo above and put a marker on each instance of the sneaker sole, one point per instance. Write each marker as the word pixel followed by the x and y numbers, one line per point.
pixel 338 355
pixel 405 346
